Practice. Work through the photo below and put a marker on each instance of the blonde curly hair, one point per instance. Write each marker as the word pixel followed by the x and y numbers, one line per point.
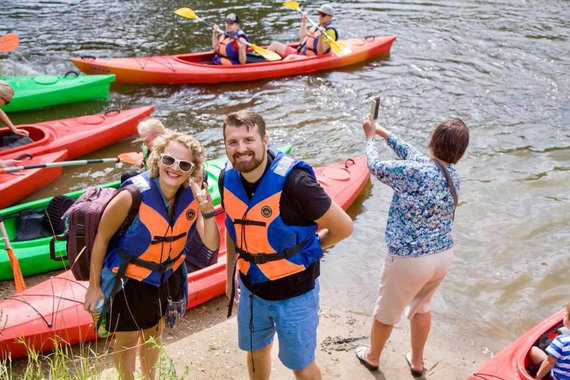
pixel 198 153
pixel 6 90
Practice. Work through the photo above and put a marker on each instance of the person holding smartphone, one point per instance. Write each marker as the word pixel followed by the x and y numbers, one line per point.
pixel 418 232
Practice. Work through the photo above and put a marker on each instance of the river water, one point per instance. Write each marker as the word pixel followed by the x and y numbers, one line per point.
pixel 501 66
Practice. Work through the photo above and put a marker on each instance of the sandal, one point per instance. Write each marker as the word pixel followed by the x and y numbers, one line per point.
pixel 361 355
pixel 414 372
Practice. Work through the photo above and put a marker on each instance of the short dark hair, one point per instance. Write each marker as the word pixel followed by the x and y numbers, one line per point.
pixel 450 140
pixel 245 119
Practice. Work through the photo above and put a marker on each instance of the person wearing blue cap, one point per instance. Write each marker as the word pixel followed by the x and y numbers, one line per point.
pixel 310 41
pixel 230 48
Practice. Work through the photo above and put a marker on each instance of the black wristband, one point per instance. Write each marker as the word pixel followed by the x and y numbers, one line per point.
pixel 209 214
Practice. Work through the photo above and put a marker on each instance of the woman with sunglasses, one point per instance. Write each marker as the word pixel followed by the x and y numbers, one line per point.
pixel 229 48
pixel 6 94
pixel 310 41
pixel 140 273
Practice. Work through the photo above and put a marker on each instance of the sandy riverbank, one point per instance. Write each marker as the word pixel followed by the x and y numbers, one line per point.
pixel 205 345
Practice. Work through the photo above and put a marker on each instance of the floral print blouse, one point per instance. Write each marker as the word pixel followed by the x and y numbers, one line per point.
pixel 422 209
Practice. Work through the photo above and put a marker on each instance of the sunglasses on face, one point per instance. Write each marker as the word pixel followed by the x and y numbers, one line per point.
pixel 323 14
pixel 168 161
pixel 6 102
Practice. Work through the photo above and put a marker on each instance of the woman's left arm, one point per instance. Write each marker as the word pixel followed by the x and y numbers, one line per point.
pixel 6 121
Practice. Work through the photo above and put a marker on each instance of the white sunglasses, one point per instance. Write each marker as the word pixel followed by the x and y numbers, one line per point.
pixel 168 161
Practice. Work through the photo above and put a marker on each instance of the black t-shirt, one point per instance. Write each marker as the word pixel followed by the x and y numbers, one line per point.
pixel 303 201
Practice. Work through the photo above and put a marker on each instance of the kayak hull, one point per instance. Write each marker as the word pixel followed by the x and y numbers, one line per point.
pixel 32 92
pixel 18 185
pixel 52 311
pixel 510 363
pixel 34 255
pixel 79 135
pixel 196 67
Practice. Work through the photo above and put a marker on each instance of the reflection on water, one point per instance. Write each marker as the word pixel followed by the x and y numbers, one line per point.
pixel 500 66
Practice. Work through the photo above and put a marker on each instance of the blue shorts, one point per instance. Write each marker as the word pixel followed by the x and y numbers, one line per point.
pixel 294 319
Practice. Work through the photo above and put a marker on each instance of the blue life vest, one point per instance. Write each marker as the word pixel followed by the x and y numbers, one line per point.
pixel 227 50
pixel 311 41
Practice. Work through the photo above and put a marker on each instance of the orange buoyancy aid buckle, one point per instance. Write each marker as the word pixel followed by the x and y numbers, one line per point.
pixel 167 239
pixel 262 258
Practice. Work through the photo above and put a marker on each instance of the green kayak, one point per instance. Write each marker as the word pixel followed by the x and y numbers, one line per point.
pixel 31 92
pixel 33 254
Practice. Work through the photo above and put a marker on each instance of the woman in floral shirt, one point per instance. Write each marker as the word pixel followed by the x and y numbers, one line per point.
pixel 418 233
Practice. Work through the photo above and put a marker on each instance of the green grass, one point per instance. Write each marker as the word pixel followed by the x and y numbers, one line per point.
pixel 63 363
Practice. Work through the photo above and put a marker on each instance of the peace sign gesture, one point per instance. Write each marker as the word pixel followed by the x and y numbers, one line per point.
pixel 202 196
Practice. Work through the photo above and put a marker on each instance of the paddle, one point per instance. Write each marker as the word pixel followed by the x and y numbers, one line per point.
pixel 134 158
pixel 18 278
pixel 9 42
pixel 337 47
pixel 267 54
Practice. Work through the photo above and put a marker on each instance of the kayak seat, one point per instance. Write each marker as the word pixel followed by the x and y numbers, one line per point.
pixel 56 208
pixel 29 226
pixel 252 57
pixel 11 140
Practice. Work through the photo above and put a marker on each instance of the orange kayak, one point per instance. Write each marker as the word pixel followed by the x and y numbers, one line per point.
pixel 197 67
pixel 52 311
pixel 512 361
pixel 18 185
pixel 79 135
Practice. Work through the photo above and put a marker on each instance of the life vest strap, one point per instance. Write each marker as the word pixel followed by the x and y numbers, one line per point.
pixel 262 258
pixel 155 267
pixel 163 239
pixel 247 222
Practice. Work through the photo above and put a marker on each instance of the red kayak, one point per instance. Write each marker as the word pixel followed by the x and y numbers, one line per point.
pixel 511 362
pixel 18 185
pixel 79 135
pixel 53 310
pixel 197 67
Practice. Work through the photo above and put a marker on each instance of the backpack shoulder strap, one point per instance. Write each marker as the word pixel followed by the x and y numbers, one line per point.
pixel 135 205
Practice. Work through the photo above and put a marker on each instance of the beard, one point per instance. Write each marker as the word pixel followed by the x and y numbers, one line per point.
pixel 246 166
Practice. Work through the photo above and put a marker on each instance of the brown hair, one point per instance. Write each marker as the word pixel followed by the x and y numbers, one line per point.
pixel 245 118
pixel 198 153
pixel 568 310
pixel 450 140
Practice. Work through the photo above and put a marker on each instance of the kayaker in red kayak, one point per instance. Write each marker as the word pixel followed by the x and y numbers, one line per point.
pixel 418 233
pixel 6 95
pixel 151 251
pixel 556 360
pixel 229 47
pixel 274 204
pixel 310 41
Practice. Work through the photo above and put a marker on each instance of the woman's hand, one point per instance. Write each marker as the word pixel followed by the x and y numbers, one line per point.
pixel 369 128
pixel 202 196
pixel 93 294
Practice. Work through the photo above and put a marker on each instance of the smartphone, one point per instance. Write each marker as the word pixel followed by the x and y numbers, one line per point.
pixel 374 108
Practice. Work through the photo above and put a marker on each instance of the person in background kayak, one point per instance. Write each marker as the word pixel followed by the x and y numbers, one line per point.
pixel 6 95
pixel 151 251
pixel 418 233
pixel 556 360
pixel 310 41
pixel 229 46
pixel 274 202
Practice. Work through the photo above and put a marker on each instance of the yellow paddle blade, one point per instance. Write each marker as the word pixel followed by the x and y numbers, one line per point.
pixel 267 54
pixel 186 12
pixel 292 4
pixel 338 47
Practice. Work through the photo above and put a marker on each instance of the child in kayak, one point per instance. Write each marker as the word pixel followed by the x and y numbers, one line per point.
pixel 310 41
pixel 229 48
pixel 6 94
pixel 556 360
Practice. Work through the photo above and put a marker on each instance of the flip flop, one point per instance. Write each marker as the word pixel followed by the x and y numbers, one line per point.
pixel 361 355
pixel 414 372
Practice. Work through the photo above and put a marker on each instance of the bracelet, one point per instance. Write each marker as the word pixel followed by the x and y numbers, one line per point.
pixel 209 214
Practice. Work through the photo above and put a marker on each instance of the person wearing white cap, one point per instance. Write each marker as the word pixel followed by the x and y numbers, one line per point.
pixel 310 41
pixel 230 49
